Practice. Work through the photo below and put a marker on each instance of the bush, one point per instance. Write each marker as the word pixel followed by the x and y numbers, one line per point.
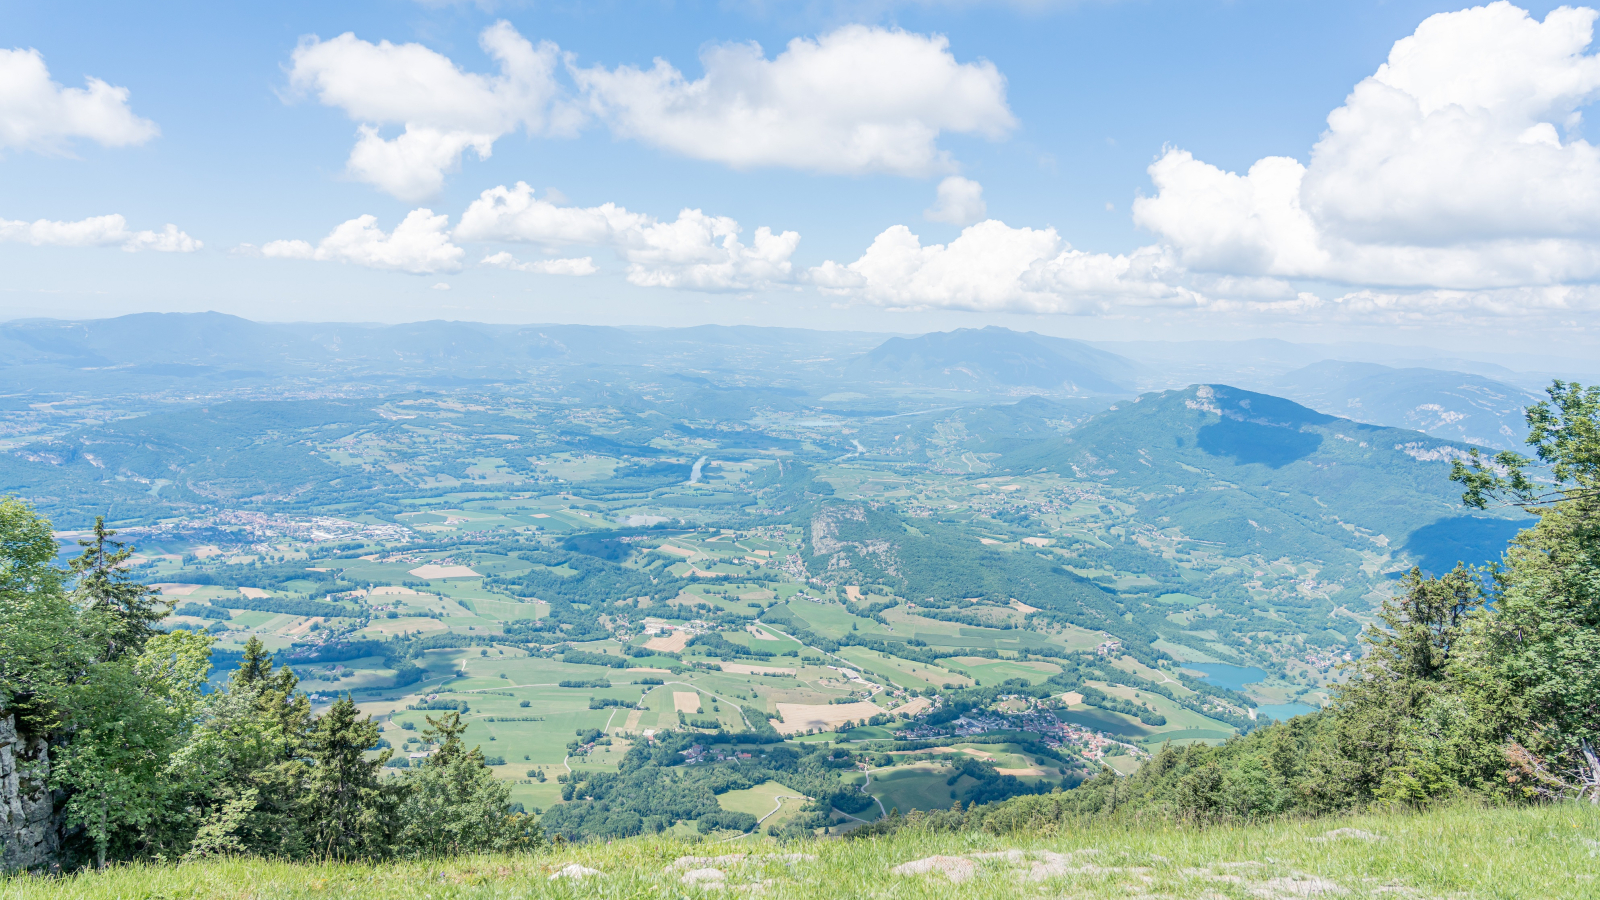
pixel 722 820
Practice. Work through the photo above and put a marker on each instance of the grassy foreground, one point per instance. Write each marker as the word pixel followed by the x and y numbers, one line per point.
pixel 1457 853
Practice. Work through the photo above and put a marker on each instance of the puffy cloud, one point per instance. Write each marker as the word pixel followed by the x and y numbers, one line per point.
pixel 39 114
pixel 583 265
pixel 412 165
pixel 420 245
pixel 98 231
pixel 1446 169
pixel 859 99
pixel 514 214
pixel 694 252
pixel 993 267
pixel 443 109
pixel 960 202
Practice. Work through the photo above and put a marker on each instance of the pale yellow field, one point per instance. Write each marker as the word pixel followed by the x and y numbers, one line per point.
pixel 686 701
pixel 434 570
pixel 743 669
pixel 672 643
pixel 798 717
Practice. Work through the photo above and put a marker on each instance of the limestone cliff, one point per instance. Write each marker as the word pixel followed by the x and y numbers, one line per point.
pixel 30 833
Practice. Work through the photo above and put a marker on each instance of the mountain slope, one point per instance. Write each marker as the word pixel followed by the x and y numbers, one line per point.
pixel 970 358
pixel 1262 473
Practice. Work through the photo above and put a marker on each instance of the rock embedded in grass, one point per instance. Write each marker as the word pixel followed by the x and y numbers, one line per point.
pixel 703 876
pixel 1297 886
pixel 576 870
pixel 1349 834
pixel 698 862
pixel 955 868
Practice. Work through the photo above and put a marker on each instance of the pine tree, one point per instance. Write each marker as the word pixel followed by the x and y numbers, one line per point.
pixel 347 810
pixel 124 610
pixel 454 804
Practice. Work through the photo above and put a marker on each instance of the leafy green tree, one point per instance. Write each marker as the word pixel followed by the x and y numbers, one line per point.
pixel 1532 670
pixel 127 717
pixel 41 643
pixel 347 809
pixel 454 804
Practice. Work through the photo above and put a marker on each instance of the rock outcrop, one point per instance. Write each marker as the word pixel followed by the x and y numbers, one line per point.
pixel 30 833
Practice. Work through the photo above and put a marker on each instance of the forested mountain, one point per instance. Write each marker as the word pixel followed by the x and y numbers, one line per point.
pixel 1244 469
pixel 970 358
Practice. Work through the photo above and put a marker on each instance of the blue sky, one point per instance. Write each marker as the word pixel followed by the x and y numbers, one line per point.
pixel 1057 110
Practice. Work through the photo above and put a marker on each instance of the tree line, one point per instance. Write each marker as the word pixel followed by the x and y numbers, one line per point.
pixel 142 759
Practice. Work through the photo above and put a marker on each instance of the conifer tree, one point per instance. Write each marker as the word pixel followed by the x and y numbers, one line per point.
pixel 124 610
pixel 347 809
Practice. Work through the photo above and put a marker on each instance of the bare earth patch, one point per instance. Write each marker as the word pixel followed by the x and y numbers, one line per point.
pixel 686 701
pixel 254 593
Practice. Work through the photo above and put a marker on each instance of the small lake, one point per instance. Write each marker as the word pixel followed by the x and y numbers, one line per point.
pixel 1283 712
pixel 1222 675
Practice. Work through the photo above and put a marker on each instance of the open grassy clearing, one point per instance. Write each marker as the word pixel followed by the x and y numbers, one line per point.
pixel 770 802
pixel 1466 852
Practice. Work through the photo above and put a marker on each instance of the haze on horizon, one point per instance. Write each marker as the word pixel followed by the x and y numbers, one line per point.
pixel 1400 173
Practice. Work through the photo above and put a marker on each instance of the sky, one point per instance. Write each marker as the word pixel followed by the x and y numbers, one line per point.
pixel 1404 172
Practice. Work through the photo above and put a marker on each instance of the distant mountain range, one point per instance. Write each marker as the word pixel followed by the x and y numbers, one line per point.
pixel 723 372
pixel 1453 405
pixel 160 348
pixel 986 358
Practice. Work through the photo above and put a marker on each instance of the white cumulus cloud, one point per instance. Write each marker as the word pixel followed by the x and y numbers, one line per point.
pixel 420 245
pixel 98 231
pixel 992 267
pixel 858 99
pixel 39 114
pixel 693 252
pixel 442 109
pixel 582 265
pixel 960 202
pixel 1457 166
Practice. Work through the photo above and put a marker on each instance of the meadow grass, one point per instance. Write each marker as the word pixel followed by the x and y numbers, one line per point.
pixel 1458 852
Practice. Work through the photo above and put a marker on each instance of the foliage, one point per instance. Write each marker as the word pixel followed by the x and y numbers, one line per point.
pixel 149 763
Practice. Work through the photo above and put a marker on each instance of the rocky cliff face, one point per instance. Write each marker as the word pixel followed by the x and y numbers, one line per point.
pixel 30 836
